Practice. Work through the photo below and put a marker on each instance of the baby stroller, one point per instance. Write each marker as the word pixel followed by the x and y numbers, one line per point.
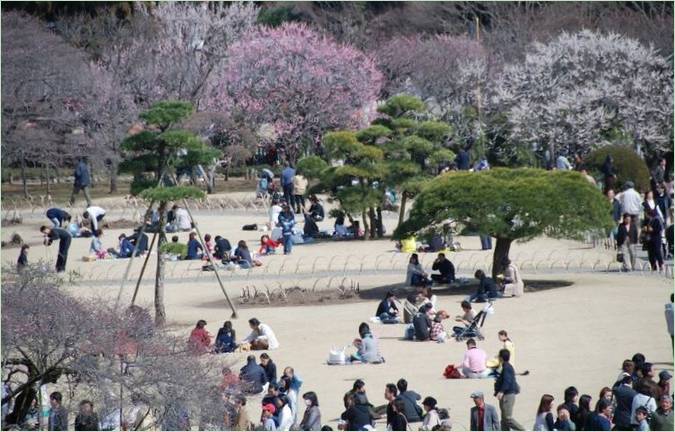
pixel 473 329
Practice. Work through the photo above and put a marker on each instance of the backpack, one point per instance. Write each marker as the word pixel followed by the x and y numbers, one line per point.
pixel 451 372
pixel 421 329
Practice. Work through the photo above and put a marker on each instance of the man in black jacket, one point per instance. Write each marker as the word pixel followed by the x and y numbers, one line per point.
pixel 422 323
pixel 252 376
pixel 624 394
pixel 64 239
pixel 222 248
pixel 445 268
pixel 413 412
pixel 626 241
pixel 58 416
pixel 506 389
pixel 270 368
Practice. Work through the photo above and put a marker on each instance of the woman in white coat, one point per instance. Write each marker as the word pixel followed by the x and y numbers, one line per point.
pixel 513 283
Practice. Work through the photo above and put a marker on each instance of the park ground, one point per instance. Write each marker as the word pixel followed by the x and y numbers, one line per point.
pixel 573 334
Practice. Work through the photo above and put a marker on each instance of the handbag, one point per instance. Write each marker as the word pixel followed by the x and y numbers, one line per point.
pixel 619 257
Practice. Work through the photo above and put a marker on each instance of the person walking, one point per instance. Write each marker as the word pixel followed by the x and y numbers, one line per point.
pixel 287 176
pixel 483 416
pixel 653 231
pixel 631 201
pixel 287 222
pixel 64 239
pixel 299 188
pixel 58 415
pixel 506 389
pixel 82 182
pixel 626 241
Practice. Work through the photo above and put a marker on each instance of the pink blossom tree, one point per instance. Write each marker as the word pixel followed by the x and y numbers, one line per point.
pixel 298 81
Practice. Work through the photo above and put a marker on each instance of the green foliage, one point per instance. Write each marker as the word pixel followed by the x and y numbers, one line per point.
pixel 418 145
pixel 371 134
pixel 403 123
pixel 511 204
pixel 179 249
pixel 441 156
pixel 311 167
pixel 401 104
pixel 164 114
pixel 341 143
pixel 433 131
pixel 628 165
pixel 174 193
pixel 275 16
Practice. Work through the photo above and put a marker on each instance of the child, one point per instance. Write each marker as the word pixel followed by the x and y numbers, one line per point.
pixel 267 420
pixel 641 416
pixel 210 246
pixel 22 262
pixel 267 245
pixel 96 247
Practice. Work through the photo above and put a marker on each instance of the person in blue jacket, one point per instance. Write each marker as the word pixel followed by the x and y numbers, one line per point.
pixel 193 248
pixel 126 248
pixel 506 389
pixel 287 222
pixel 58 217
pixel 82 181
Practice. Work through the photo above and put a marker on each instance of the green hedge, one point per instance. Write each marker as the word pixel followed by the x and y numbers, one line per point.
pixel 628 165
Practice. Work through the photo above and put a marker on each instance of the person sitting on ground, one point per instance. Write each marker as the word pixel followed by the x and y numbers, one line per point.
pixel 267 245
pixel 422 323
pixel 194 248
pixel 22 261
pixel 513 284
pixel 200 339
pixel 274 212
pixel 225 339
pixel 412 411
pixel 662 419
pixel 316 209
pixel 310 230
pixel 431 418
pixel 445 268
pixel 415 274
pixel 59 217
pixel 367 347
pixel 252 376
pixel 222 248
pixel 210 245
pixel 563 422
pixel 484 417
pixel 468 314
pixel 437 332
pixel 473 364
pixel 126 248
pixel 181 221
pixel 387 311
pixel 426 296
pixel 139 241
pixel 270 368
pixel 487 288
pixel 262 337
pixel 96 246
pixel 230 380
pixel 544 420
pixel 242 256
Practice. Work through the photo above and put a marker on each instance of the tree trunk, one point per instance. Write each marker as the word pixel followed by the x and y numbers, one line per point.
pixel 160 313
pixel 380 225
pixel 24 181
pixel 366 228
pixel 113 177
pixel 373 222
pixel 501 251
pixel 45 171
pixel 227 173
pixel 401 213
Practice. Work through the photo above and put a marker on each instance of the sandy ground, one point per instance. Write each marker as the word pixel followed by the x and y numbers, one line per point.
pixel 576 335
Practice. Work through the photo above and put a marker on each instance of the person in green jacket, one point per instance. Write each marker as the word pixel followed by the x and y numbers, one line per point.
pixel 662 419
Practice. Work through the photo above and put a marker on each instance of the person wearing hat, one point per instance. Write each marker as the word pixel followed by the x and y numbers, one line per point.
pixel 267 419
pixel 483 416
pixel 431 418
pixel 664 382
pixel 662 419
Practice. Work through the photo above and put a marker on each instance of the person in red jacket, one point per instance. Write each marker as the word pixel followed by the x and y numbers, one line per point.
pixel 267 245
pixel 200 339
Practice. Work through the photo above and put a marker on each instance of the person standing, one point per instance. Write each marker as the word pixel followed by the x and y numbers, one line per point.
pixel 431 419
pixel 562 163
pixel 653 231
pixel 659 175
pixel 616 217
pixel 252 376
pixel 398 421
pixel 484 417
pixel 287 176
pixel 626 241
pixel 299 188
pixel 463 160
pixel 287 222
pixel 631 201
pixel 662 419
pixel 311 419
pixel 58 415
pixel 82 182
pixel 609 173
pixel 544 420
pixel 64 239
pixel 669 321
pixel 87 419
pixel 94 215
pixel 624 394
pixel 58 217
pixel 270 368
pixel 506 389
pixel 485 241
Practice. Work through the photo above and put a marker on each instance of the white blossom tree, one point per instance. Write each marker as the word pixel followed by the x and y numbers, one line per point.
pixel 578 91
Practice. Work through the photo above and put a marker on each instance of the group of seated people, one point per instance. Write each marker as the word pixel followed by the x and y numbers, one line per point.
pixel 416 276
pixel 125 248
pixel 509 284
pixel 262 337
